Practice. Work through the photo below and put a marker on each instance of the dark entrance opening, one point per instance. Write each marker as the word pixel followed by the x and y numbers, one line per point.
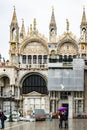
pixel 65 105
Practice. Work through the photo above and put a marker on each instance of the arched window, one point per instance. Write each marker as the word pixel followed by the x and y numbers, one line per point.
pixel 60 58
pixel 65 58
pixel 29 59
pixel 45 59
pixel 24 59
pixel 40 59
pixel 34 59
pixel 70 59
pixel 34 83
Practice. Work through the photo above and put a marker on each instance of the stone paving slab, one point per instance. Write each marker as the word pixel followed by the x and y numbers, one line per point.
pixel 74 124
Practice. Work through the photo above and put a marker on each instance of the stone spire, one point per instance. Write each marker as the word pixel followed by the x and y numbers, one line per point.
pixel 34 26
pixel 83 35
pixel 14 38
pixel 22 33
pixel 52 22
pixel 14 18
pixel 83 22
pixel 67 25
pixel 83 27
pixel 30 29
pixel 14 29
pixel 52 28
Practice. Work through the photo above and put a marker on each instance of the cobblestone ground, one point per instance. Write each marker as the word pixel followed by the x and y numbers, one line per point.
pixel 74 124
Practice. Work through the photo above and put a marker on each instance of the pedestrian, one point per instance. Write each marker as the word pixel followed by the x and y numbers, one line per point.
pixel 60 117
pixel 51 117
pixel 2 120
pixel 65 119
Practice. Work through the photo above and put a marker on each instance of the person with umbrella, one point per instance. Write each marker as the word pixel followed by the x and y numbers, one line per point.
pixel 63 116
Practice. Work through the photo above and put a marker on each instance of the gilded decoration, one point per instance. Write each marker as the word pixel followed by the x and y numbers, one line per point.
pixel 83 46
pixel 53 52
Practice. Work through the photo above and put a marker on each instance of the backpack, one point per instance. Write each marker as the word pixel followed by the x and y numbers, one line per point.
pixel 5 117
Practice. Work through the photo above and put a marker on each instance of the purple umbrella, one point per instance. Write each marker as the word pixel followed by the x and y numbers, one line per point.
pixel 62 108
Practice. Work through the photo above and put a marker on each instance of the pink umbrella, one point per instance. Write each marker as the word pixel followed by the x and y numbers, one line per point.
pixel 62 108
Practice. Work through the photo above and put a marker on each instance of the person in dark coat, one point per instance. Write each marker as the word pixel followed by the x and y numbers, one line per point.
pixel 65 118
pixel 0 115
pixel 2 120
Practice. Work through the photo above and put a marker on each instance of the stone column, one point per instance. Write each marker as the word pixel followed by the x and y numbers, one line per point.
pixel 25 106
pixel 42 60
pixel 18 92
pixel 53 109
pixel 21 59
pixel 26 59
pixel 32 60
pixel 70 100
pixel 12 88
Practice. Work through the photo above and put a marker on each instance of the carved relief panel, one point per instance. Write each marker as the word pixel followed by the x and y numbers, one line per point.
pixel 68 49
pixel 35 48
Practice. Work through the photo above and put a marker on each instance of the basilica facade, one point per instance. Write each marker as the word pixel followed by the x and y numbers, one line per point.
pixel 42 73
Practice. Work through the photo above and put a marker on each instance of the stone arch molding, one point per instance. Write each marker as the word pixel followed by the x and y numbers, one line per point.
pixel 34 45
pixel 5 81
pixel 5 75
pixel 23 77
pixel 10 76
pixel 63 44
pixel 39 89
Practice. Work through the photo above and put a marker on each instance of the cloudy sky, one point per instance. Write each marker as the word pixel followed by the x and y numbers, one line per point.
pixel 41 10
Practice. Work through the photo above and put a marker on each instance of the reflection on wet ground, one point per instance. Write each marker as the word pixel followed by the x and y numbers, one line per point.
pixel 74 124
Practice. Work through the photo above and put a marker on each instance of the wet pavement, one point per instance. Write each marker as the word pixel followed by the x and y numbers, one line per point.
pixel 74 124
